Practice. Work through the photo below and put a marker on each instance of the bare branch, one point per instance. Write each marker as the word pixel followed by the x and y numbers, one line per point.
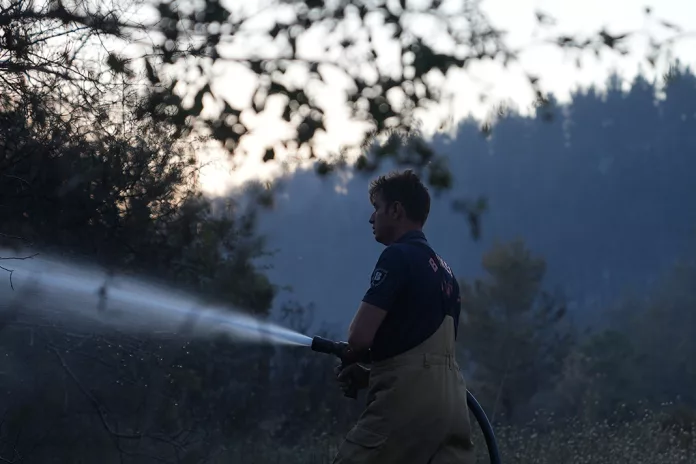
pixel 95 403
pixel 11 271
pixel 10 236
pixel 10 176
pixel 14 258
pixel 19 258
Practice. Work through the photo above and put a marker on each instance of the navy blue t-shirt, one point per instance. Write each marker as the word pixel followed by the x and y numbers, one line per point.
pixel 417 289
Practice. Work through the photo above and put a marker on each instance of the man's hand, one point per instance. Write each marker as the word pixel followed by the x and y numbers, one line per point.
pixel 352 376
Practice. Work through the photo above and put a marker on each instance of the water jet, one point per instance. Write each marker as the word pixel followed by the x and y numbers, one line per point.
pixel 88 297
pixel 83 295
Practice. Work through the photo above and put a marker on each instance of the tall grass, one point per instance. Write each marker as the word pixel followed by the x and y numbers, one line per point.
pixel 648 438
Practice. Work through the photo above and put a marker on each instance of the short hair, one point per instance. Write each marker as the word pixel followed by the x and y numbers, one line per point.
pixel 406 188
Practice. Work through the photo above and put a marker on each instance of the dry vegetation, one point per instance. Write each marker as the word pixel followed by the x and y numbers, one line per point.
pixel 650 437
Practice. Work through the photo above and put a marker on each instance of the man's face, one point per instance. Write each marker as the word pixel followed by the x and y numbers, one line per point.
pixel 383 221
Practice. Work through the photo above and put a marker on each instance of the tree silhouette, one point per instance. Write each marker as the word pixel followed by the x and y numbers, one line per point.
pixel 183 42
pixel 511 329
pixel 121 194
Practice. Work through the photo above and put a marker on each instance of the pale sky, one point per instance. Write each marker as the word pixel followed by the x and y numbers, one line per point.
pixel 557 74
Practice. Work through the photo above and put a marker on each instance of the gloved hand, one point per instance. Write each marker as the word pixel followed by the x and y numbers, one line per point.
pixel 354 375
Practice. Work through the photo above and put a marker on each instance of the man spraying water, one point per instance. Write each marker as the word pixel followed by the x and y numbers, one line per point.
pixel 406 325
pixel 417 403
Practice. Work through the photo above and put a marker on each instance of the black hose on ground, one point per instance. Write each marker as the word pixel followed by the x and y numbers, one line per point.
pixel 486 427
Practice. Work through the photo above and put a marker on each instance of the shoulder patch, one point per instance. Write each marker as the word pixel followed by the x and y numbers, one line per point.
pixel 378 276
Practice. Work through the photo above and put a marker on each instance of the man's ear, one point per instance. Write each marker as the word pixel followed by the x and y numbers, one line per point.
pixel 397 210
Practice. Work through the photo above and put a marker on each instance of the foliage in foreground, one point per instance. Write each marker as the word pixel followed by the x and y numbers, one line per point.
pixel 292 51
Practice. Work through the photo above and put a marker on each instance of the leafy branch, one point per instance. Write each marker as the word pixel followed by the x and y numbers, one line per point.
pixel 296 51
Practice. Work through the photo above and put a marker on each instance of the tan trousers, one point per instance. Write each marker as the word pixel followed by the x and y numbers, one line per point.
pixel 416 409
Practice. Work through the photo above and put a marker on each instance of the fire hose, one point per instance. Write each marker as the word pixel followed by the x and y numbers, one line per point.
pixel 340 350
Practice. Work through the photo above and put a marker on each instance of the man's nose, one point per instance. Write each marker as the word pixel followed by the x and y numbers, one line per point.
pixel 372 218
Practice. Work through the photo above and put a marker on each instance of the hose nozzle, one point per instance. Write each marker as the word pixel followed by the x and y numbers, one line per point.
pixel 342 351
pixel 323 345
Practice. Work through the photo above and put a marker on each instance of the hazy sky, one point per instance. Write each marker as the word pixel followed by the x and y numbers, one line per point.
pixel 558 73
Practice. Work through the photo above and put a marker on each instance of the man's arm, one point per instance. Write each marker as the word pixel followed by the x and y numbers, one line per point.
pixel 387 281
pixel 362 330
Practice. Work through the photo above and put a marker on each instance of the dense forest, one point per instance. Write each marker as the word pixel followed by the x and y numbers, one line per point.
pixel 577 334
